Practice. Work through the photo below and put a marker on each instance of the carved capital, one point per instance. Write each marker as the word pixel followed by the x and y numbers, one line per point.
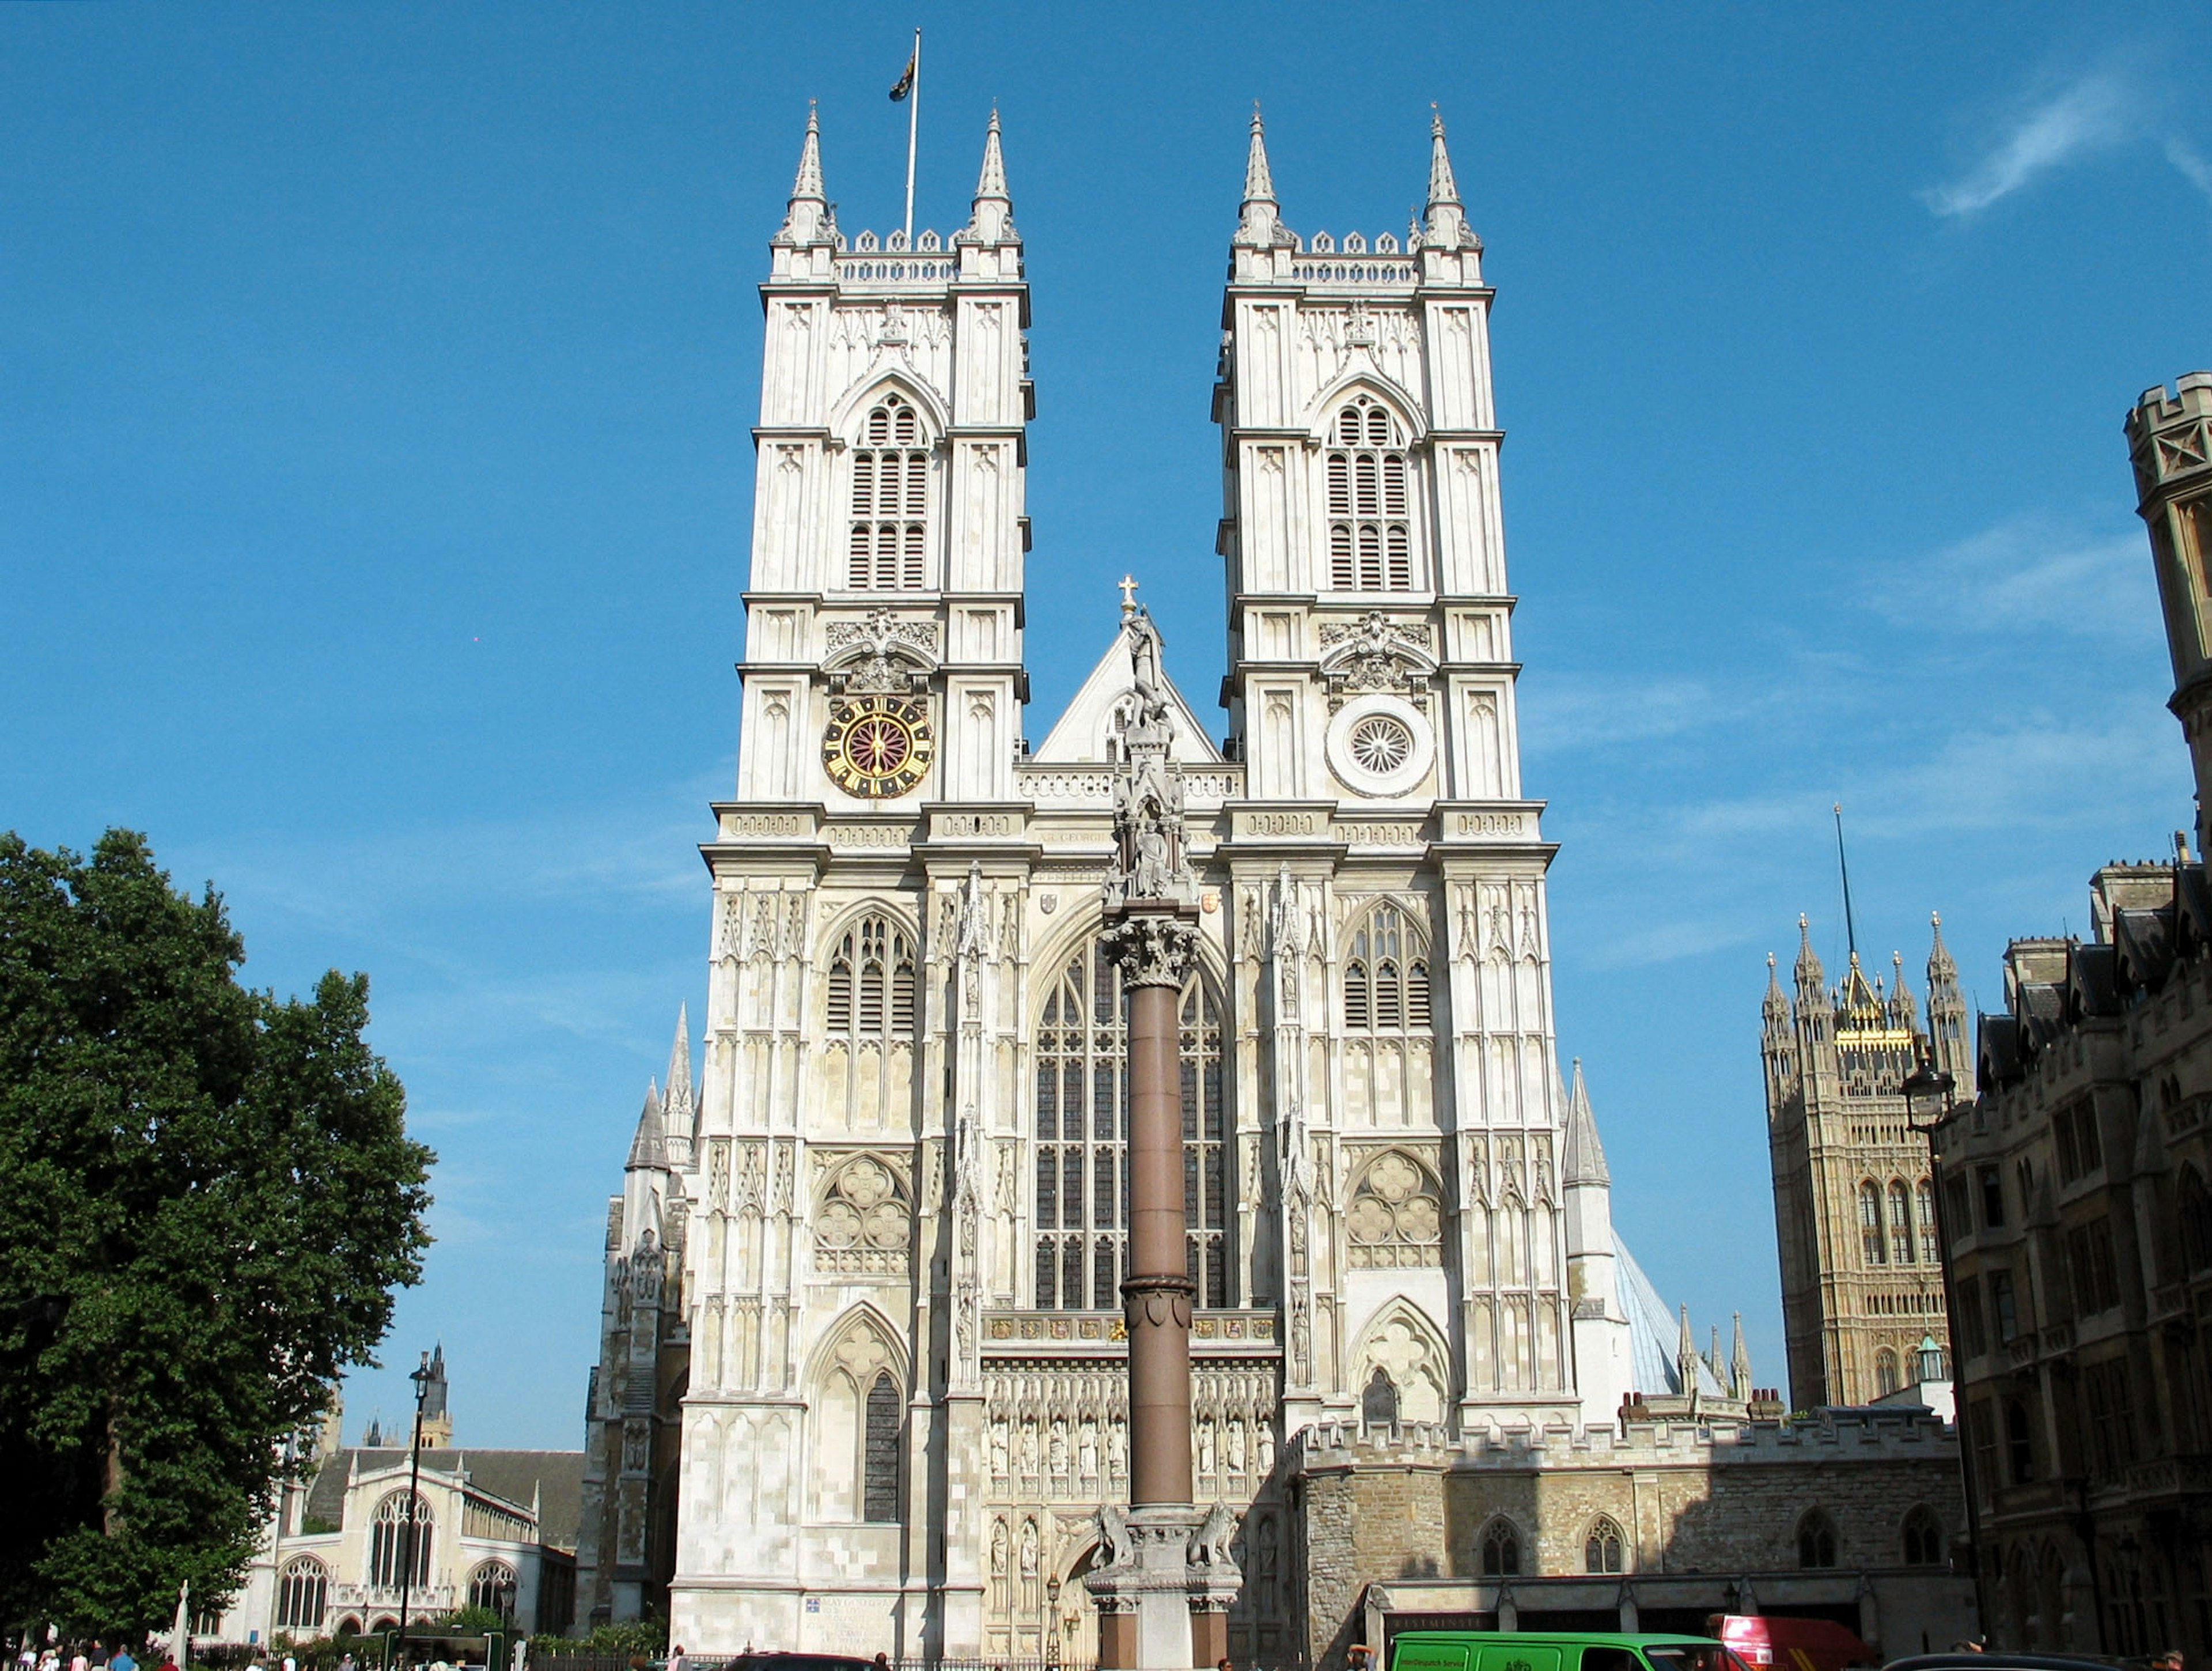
pixel 1152 947
pixel 1158 1301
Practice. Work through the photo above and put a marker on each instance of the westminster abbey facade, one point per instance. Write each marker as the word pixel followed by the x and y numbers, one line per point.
pixel 861 1379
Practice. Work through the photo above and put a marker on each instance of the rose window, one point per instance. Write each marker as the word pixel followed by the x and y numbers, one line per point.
pixel 1381 744
pixel 864 1225
pixel 1396 1216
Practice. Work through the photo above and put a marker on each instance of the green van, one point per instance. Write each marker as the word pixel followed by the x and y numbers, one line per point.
pixel 1561 1650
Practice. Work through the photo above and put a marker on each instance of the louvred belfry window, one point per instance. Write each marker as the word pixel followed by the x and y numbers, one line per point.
pixel 871 985
pixel 1370 529
pixel 890 501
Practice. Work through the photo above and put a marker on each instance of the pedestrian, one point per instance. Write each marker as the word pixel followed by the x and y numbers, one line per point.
pixel 120 1660
pixel 291 1663
pixel 676 1661
pixel 78 1662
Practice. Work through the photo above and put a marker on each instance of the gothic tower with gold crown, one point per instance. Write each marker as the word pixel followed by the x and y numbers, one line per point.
pixel 864 1285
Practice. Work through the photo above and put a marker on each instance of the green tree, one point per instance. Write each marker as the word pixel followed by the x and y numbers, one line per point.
pixel 207 1195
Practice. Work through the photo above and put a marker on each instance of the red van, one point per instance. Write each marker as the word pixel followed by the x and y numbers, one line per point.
pixel 1790 1644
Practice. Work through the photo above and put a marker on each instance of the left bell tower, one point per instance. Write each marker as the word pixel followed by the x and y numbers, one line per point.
pixel 884 610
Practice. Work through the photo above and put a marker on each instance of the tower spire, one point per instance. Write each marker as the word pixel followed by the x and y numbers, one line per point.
pixel 807 219
pixel 1584 1159
pixel 993 221
pixel 1740 1379
pixel 1257 221
pixel 678 1099
pixel 649 1147
pixel 1447 226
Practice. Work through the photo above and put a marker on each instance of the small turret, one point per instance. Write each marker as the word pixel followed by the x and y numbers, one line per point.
pixel 648 1149
pixel 1583 1161
pixel 1812 978
pixel 1740 1366
pixel 1686 1362
pixel 807 219
pixel 1259 224
pixel 1446 226
pixel 437 1414
pixel 1776 1010
pixel 1903 1015
pixel 993 219
pixel 679 1113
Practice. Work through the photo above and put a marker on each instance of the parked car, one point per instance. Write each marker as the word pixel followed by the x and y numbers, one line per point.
pixel 1556 1650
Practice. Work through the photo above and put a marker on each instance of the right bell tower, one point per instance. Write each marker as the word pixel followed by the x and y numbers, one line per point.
pixel 1405 1021
pixel 1361 527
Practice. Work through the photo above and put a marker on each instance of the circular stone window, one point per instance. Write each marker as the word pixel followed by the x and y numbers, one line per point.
pixel 1380 745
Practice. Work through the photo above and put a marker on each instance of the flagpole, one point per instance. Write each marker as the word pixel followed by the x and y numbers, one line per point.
pixel 913 121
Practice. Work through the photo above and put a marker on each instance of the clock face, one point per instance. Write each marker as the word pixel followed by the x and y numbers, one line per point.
pixel 879 745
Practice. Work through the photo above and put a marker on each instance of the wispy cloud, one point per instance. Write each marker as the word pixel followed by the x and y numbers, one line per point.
pixel 2061 121
pixel 2191 161
pixel 2026 573
pixel 1564 711
pixel 2086 114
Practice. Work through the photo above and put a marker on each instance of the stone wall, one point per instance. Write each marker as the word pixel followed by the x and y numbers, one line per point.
pixel 1706 1513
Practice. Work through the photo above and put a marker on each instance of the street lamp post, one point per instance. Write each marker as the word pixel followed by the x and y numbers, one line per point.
pixel 1930 1106
pixel 412 1543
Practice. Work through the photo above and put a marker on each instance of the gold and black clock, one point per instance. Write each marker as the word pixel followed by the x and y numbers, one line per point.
pixel 879 745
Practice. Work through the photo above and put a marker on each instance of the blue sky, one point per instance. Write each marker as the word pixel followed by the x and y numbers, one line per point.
pixel 375 389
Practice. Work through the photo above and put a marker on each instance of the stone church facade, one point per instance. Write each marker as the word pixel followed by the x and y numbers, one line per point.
pixel 862 1373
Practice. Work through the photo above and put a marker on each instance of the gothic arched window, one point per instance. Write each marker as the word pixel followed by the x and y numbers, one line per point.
pixel 890 501
pixel 1378 1404
pixel 1082 1130
pixel 2193 1206
pixel 1386 976
pixel 871 986
pixel 1601 1550
pixel 1501 1550
pixel 1925 1544
pixel 1370 529
pixel 1926 1219
pixel 391 1535
pixel 302 1592
pixel 1885 1373
pixel 1901 1222
pixel 1816 1541
pixel 879 1455
pixel 492 1587
pixel 1870 1243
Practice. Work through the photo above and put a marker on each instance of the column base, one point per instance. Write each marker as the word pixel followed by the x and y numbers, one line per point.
pixel 1163 1597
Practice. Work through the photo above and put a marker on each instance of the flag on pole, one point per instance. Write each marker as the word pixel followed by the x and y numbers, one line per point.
pixel 904 84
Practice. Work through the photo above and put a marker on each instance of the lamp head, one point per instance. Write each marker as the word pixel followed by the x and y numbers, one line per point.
pixel 1927 1092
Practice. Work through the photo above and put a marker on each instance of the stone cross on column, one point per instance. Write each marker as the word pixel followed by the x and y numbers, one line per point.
pixel 1164 1593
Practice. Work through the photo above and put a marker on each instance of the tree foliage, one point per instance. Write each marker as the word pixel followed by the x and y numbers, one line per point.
pixel 207 1195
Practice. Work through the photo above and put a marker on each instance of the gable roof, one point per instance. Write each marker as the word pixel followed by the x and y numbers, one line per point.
pixel 1083 733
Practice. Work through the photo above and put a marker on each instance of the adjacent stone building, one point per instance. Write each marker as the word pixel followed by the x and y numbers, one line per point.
pixel 497 1530
pixel 862 1372
pixel 1863 1308
pixel 2075 1187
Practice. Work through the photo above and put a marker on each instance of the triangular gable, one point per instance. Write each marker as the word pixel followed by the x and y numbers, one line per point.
pixel 1085 731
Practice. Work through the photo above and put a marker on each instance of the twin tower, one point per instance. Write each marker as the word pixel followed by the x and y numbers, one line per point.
pixel 862 1375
